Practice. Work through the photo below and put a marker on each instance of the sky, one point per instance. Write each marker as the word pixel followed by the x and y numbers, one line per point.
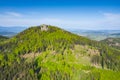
pixel 73 14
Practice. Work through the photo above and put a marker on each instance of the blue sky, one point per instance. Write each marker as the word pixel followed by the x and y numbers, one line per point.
pixel 77 14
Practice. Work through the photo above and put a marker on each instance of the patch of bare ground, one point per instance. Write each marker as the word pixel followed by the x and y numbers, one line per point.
pixel 85 50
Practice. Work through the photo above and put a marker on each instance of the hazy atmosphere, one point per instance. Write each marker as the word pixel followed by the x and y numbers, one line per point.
pixel 59 39
pixel 76 14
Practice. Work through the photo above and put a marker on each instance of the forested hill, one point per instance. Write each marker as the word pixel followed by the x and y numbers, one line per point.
pixel 38 39
pixel 113 42
pixel 49 53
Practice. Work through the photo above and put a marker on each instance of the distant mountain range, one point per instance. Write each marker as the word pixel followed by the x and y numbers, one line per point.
pixel 10 31
pixel 98 34
pixel 91 34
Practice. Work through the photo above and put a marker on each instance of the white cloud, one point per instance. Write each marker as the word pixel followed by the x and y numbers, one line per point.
pixel 10 15
pixel 112 19
pixel 106 21
pixel 15 14
pixel 28 22
pixel 111 16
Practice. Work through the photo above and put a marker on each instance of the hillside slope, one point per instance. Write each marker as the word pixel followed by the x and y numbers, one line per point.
pixel 49 53
pixel 113 42
pixel 2 38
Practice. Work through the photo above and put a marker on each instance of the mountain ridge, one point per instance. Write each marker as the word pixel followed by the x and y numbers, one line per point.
pixel 53 53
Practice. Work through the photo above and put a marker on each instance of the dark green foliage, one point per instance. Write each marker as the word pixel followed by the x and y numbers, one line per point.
pixel 3 38
pixel 21 71
pixel 57 60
